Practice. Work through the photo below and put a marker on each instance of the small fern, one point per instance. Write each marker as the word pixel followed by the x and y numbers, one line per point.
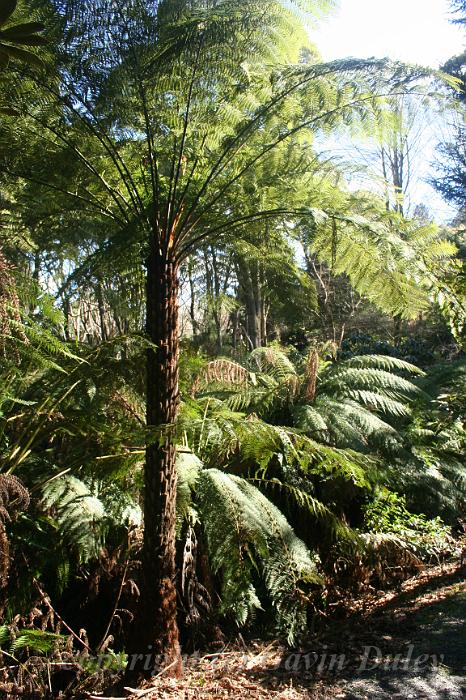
pixel 35 641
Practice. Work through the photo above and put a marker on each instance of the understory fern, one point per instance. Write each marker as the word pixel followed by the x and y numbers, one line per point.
pixel 247 536
pixel 341 403
pixel 35 641
pixel 77 512
pixel 426 538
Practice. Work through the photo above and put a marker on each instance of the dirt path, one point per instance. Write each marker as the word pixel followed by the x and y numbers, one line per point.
pixel 418 641
pixel 409 644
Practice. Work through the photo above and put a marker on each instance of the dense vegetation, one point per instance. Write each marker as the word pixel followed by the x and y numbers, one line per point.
pixel 232 386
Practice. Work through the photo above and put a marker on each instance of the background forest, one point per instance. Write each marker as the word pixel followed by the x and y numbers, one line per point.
pixel 206 327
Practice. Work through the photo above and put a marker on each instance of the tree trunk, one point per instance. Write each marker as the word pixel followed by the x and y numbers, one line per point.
pixel 250 294
pixel 101 310
pixel 192 297
pixel 217 307
pixel 154 640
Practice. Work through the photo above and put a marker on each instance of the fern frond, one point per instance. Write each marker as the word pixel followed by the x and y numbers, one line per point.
pixel 245 531
pixel 188 470
pixel 219 373
pixel 38 641
pixel 78 513
pixel 310 420
pixel 343 378
pixel 273 362
pixel 384 362
pixel 324 519
pixel 379 402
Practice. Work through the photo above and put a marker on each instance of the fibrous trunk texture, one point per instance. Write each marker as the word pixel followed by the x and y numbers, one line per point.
pixel 154 640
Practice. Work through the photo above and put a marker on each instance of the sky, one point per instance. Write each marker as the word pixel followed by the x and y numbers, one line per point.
pixel 414 31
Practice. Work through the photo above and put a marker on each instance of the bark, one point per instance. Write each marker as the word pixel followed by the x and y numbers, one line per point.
pixel 217 312
pixel 192 295
pixel 66 313
pixel 397 329
pixel 251 295
pixel 154 640
pixel 101 310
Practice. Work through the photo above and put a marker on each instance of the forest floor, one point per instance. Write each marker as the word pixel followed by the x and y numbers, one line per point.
pixel 394 645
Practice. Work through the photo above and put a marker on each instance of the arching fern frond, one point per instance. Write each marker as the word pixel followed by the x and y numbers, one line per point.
pixel 341 378
pixel 384 362
pixel 78 514
pixel 246 531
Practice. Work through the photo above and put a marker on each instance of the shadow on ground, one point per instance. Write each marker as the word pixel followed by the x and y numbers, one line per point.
pixel 408 645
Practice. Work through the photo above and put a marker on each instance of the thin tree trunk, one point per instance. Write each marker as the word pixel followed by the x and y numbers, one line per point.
pixel 192 295
pixel 397 329
pixel 154 642
pixel 249 290
pixel 217 307
pixel 101 310
pixel 66 314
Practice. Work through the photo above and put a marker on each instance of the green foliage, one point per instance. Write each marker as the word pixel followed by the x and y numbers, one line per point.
pixel 181 125
pixel 414 350
pixel 14 37
pixel 346 403
pixel 77 512
pixel 246 535
pixel 432 475
pixel 34 641
pixel 426 538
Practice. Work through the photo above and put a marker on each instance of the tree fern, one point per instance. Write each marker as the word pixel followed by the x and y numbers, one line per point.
pixel 351 400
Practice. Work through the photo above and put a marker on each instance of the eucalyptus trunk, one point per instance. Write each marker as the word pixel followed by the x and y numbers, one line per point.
pixel 154 642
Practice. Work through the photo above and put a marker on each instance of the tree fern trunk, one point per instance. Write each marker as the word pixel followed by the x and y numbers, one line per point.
pixel 154 642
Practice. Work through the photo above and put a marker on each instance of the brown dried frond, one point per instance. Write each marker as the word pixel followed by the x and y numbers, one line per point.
pixel 196 596
pixel 14 497
pixel 310 382
pixel 128 405
pixel 385 559
pixel 4 556
pixel 14 494
pixel 221 372
pixel 9 304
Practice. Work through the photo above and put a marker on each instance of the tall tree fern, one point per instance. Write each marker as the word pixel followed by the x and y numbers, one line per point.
pixel 156 111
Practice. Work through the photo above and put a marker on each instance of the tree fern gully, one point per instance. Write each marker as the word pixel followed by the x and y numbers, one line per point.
pixel 155 632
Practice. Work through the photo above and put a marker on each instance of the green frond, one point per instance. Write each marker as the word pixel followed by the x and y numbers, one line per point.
pixel 78 514
pixel 380 265
pixel 4 635
pixel 329 525
pixel 309 419
pixel 341 378
pixel 36 641
pixel 188 468
pixel 234 532
pixel 379 402
pixel 246 532
pixel 273 362
pixel 384 362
